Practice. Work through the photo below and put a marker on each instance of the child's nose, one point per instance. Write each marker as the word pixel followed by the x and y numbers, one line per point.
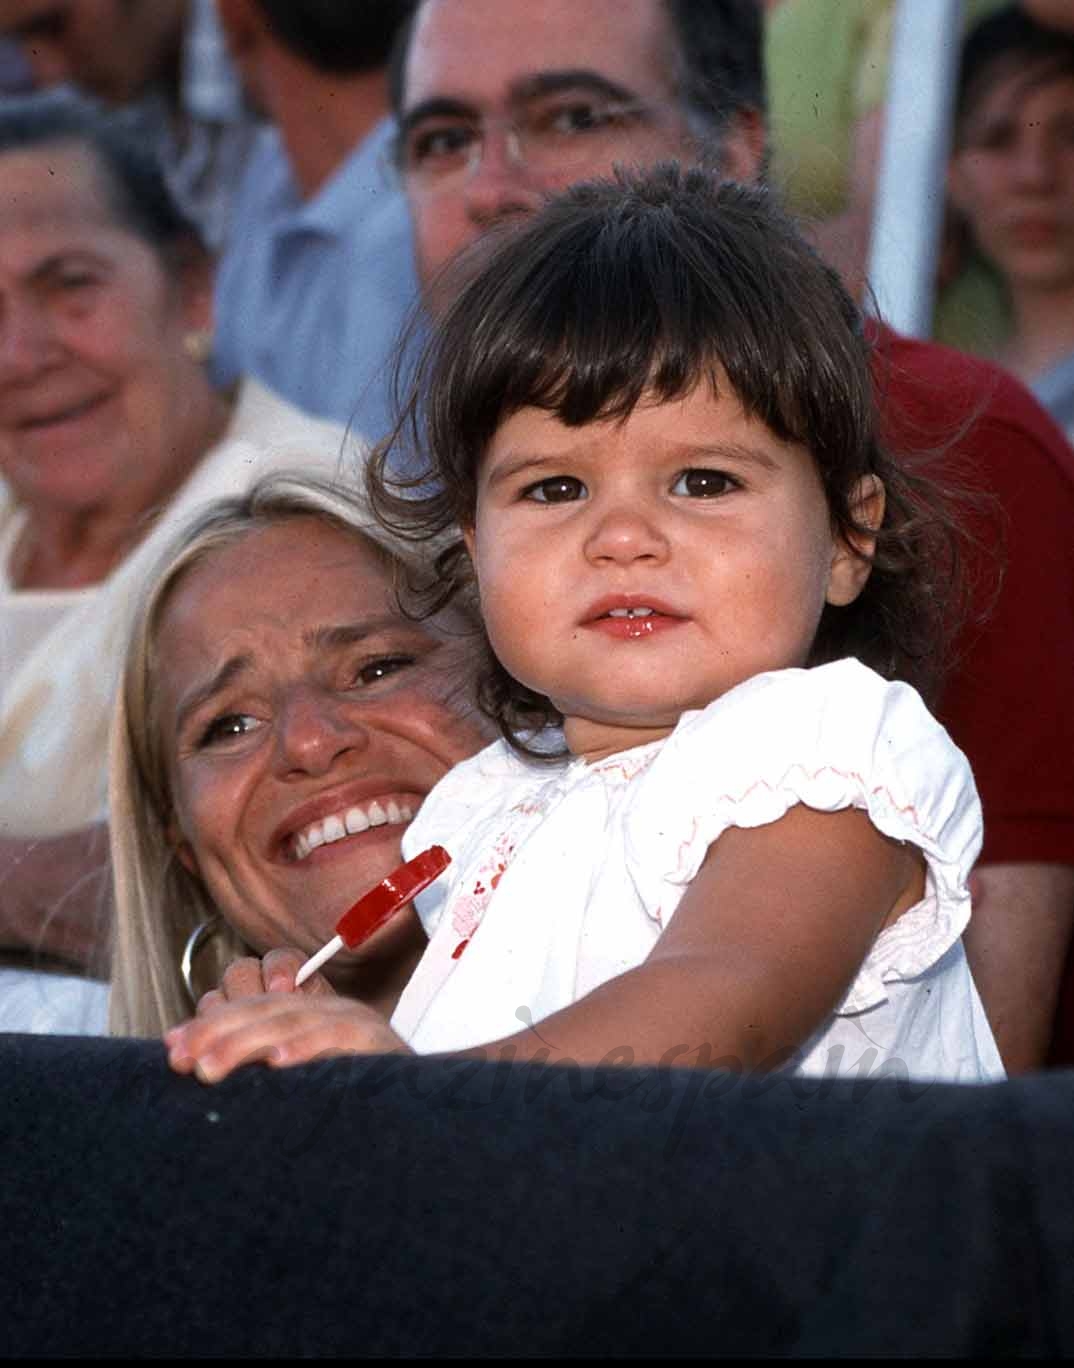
pixel 315 729
pixel 626 533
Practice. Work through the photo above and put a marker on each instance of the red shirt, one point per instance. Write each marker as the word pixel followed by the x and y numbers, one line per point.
pixel 1009 700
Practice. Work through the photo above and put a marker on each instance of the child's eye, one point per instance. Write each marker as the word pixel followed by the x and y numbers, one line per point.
pixel 375 670
pixel 227 728
pixel 703 484
pixel 558 489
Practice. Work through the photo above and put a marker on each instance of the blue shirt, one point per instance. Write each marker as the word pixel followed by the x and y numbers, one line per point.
pixel 311 295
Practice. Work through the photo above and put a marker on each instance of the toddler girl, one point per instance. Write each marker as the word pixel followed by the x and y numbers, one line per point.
pixel 722 827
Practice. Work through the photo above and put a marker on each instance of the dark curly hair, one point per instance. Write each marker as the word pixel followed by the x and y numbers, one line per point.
pixel 648 284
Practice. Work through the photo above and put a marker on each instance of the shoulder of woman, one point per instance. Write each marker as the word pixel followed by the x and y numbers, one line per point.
pixel 265 419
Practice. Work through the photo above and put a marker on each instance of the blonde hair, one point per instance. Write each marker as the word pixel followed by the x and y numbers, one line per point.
pixel 158 902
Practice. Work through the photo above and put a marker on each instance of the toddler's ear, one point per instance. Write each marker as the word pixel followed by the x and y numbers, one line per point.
pixel 852 560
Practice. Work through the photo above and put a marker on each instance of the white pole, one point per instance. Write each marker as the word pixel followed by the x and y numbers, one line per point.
pixel 908 210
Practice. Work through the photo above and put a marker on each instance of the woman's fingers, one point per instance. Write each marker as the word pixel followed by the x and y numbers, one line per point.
pixel 251 977
pixel 280 1029
pixel 279 968
pixel 241 979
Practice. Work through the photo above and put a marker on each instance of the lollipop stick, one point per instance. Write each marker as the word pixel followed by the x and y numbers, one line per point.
pixel 315 961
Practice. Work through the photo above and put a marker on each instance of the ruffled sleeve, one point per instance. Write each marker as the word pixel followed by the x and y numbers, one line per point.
pixel 832 737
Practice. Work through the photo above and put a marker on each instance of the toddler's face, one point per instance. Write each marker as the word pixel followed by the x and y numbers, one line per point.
pixel 633 570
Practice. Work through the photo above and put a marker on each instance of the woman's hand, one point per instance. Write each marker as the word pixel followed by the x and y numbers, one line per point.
pixel 279 1029
pixel 251 977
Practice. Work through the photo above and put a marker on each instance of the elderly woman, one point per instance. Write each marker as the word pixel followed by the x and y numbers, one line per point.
pixel 280 721
pixel 110 433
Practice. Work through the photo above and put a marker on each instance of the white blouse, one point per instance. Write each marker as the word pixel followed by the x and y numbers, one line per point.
pixel 565 874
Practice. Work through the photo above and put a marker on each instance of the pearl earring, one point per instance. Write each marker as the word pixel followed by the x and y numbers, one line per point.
pixel 198 345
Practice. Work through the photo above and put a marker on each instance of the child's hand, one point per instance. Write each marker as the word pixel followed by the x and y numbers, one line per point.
pixel 279 1029
pixel 252 977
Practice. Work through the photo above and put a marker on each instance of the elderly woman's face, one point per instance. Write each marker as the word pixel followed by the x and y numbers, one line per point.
pixel 92 368
pixel 305 722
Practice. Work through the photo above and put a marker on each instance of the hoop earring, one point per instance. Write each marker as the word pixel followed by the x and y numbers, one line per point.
pixel 201 934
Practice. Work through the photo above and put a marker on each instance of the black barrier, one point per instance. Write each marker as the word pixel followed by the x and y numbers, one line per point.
pixel 413 1208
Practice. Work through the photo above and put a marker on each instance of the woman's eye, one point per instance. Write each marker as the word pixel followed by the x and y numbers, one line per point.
pixel 375 670
pixel 72 287
pixel 227 728
pixel 703 484
pixel 558 489
pixel 996 137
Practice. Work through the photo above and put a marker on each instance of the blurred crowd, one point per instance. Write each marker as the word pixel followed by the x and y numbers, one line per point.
pixel 222 226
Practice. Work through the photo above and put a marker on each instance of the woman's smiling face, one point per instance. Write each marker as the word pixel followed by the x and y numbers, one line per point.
pixel 305 721
pixel 94 379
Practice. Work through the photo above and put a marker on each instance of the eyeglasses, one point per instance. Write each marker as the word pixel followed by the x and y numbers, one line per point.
pixel 549 136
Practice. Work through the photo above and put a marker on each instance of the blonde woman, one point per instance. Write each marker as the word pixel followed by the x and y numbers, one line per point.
pixel 279 723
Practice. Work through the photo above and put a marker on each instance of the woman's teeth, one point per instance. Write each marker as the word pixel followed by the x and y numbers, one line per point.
pixel 349 823
pixel 630 612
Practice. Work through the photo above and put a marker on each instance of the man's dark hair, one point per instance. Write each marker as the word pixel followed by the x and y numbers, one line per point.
pixel 344 36
pixel 720 51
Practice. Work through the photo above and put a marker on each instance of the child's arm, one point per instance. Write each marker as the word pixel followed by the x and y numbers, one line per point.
pixel 762 947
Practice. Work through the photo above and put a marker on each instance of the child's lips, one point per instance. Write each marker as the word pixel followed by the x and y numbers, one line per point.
pixel 632 617
pixel 634 628
pixel 632 606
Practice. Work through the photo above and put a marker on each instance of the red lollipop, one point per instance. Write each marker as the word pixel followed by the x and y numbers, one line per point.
pixel 379 905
